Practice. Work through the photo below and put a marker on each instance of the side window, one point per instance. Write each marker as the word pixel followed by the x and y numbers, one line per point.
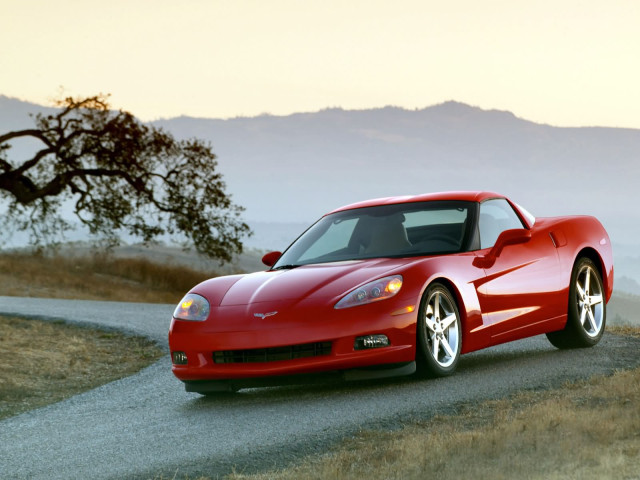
pixel 496 216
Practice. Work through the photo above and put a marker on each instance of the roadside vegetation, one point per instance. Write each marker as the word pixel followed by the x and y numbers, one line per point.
pixel 45 362
pixel 95 277
pixel 585 430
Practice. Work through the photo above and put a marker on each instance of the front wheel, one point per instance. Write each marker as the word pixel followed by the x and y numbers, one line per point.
pixel 439 332
pixel 587 313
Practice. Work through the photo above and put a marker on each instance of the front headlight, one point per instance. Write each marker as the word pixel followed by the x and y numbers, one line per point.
pixel 192 307
pixel 374 291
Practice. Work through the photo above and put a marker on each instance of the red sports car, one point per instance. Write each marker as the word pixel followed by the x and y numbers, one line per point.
pixel 393 286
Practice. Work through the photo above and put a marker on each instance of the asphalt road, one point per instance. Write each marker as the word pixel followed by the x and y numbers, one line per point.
pixel 147 426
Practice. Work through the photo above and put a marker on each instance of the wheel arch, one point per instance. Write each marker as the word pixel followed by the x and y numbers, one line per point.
pixel 576 333
pixel 451 286
pixel 595 257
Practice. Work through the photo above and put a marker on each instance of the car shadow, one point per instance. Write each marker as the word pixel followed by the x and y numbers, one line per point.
pixel 494 360
pixel 509 361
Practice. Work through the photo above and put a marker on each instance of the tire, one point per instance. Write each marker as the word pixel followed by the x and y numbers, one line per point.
pixel 439 333
pixel 587 314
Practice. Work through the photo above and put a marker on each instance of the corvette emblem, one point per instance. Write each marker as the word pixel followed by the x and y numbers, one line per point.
pixel 264 315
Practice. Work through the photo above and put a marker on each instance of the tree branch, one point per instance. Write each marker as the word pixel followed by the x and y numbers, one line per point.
pixel 123 176
pixel 24 133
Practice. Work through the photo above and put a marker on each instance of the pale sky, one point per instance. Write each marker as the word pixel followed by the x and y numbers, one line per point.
pixel 562 62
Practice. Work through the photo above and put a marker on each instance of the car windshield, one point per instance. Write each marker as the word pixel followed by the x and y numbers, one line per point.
pixel 399 230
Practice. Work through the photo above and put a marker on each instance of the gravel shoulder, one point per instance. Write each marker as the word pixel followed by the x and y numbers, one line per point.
pixel 145 426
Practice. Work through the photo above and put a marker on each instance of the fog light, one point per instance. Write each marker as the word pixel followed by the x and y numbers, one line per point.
pixel 179 358
pixel 371 341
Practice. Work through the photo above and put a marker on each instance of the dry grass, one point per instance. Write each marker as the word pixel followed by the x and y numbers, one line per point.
pixel 45 362
pixel 97 277
pixel 586 430
pixel 589 430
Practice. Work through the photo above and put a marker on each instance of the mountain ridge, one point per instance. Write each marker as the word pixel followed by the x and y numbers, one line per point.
pixel 295 167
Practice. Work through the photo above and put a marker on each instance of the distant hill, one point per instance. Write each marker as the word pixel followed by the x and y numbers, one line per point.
pixel 627 284
pixel 297 167
pixel 14 113
pixel 292 169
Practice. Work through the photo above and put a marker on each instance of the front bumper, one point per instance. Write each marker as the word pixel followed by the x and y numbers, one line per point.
pixel 236 328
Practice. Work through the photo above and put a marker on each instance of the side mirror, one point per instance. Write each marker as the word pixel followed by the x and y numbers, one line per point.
pixel 508 237
pixel 271 258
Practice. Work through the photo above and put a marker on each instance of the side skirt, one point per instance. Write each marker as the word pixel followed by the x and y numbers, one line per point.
pixel 544 326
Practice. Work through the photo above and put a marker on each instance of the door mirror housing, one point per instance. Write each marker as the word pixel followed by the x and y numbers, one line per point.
pixel 271 258
pixel 508 237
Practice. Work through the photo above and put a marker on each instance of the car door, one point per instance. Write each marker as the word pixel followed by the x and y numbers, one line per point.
pixel 519 296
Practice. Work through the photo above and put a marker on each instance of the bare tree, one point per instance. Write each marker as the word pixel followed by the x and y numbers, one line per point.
pixel 121 176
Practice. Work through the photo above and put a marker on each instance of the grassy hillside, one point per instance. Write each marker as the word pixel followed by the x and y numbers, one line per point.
pixel 623 309
pixel 96 277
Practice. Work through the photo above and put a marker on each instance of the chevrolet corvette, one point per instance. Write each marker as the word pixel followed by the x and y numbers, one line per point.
pixel 396 286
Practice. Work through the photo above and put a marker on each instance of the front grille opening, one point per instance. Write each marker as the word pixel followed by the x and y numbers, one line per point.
pixel 274 354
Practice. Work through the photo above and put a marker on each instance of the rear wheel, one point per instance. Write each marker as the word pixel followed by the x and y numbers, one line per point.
pixel 587 313
pixel 439 332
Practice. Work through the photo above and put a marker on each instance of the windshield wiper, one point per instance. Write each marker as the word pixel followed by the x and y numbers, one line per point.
pixel 286 267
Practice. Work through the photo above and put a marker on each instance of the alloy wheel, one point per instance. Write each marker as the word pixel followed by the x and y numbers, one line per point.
pixel 441 323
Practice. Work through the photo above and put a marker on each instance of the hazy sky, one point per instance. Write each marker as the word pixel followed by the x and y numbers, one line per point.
pixel 563 62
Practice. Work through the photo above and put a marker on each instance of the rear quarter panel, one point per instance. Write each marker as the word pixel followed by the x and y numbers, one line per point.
pixel 579 236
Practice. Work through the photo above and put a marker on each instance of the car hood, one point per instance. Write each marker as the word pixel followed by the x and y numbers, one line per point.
pixel 325 280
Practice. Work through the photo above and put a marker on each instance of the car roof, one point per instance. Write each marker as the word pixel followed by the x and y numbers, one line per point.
pixel 468 196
